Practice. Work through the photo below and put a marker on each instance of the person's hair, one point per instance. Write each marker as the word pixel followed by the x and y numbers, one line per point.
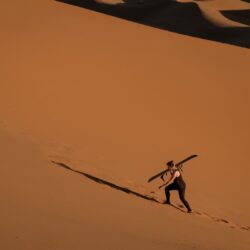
pixel 170 164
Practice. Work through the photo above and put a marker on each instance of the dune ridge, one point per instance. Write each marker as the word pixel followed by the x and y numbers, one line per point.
pixel 190 18
pixel 221 4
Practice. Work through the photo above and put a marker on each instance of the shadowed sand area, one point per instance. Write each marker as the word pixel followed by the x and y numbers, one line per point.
pixel 242 16
pixel 184 18
pixel 104 182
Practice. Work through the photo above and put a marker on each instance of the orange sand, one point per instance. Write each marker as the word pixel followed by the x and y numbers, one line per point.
pixel 115 99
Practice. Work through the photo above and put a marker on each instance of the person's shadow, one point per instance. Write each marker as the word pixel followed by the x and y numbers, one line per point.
pixel 123 189
pixel 106 183
pixel 183 18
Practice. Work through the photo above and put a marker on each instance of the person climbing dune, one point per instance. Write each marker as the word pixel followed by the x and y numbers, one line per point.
pixel 175 182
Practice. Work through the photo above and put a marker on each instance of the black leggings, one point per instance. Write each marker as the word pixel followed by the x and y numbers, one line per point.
pixel 181 190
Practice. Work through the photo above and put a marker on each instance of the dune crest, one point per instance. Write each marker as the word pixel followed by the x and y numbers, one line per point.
pixel 216 18
pixel 221 4
pixel 192 18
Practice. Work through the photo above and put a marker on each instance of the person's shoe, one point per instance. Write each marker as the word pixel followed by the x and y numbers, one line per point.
pixel 190 211
pixel 167 202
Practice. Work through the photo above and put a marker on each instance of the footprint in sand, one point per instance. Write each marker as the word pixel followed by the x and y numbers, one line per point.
pixel 223 221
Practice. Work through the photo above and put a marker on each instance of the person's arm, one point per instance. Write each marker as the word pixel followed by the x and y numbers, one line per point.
pixel 162 176
pixel 176 174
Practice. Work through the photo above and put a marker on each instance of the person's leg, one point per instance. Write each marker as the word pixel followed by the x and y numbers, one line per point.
pixel 181 191
pixel 167 191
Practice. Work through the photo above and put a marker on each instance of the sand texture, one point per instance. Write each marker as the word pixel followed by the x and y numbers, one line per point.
pixel 95 98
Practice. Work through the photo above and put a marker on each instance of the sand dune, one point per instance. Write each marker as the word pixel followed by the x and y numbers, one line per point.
pixel 47 207
pixel 143 193
pixel 238 15
pixel 195 18
pixel 231 10
pixel 222 4
pixel 218 19
pixel 92 105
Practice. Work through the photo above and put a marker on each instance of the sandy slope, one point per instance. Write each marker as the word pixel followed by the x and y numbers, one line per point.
pixel 43 207
pixel 193 18
pixel 115 100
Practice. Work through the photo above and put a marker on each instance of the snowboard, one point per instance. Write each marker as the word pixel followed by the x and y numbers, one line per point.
pixel 179 165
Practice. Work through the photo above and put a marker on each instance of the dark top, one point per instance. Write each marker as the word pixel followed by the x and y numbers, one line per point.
pixel 179 180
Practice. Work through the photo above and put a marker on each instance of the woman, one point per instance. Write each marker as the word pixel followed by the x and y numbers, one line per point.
pixel 176 182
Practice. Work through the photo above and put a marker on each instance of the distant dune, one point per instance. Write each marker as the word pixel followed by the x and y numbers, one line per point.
pixel 195 18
